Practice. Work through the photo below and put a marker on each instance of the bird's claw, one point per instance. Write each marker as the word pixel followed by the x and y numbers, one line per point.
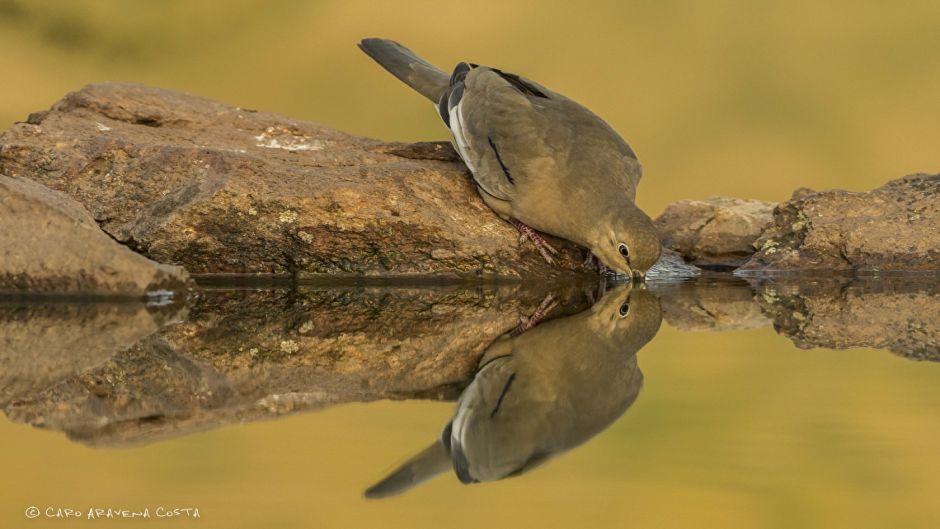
pixel 526 232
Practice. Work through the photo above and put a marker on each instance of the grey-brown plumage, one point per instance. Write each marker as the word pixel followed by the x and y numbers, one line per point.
pixel 537 156
pixel 541 393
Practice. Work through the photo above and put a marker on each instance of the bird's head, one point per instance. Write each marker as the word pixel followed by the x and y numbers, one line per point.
pixel 625 240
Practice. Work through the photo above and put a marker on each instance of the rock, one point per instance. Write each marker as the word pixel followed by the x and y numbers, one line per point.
pixel 894 227
pixel 901 314
pixel 715 232
pixel 252 354
pixel 50 244
pixel 217 189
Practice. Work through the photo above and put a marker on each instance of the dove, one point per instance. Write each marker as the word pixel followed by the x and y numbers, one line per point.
pixel 540 393
pixel 539 160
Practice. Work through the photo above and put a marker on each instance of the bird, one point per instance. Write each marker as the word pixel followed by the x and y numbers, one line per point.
pixel 540 160
pixel 540 393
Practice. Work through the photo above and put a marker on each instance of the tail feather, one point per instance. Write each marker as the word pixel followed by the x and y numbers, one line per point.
pixel 428 80
pixel 430 462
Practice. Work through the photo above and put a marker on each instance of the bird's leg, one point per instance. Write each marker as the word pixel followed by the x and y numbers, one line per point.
pixel 527 232
pixel 592 261
pixel 527 323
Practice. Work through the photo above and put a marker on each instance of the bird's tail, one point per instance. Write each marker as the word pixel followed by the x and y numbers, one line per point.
pixel 414 71
pixel 430 462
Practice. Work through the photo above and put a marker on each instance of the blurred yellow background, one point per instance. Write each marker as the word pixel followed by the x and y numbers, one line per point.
pixel 748 99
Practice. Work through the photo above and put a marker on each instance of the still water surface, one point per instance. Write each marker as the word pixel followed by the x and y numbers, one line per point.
pixel 707 403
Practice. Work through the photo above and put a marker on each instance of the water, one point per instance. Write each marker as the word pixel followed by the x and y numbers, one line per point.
pixel 716 402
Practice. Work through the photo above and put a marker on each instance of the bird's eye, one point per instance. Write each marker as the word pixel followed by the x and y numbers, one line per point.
pixel 624 310
pixel 624 250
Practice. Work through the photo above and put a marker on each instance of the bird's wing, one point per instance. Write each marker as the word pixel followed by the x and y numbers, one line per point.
pixel 499 127
pixel 515 134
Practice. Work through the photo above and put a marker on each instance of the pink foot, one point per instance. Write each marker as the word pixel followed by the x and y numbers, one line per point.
pixel 527 232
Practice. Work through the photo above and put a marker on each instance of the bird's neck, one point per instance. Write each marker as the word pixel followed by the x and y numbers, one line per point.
pixel 615 216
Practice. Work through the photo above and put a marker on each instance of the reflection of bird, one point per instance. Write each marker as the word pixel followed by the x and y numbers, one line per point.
pixel 541 393
pixel 538 158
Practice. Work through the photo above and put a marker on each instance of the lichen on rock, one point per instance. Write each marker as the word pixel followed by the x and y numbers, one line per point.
pixel 892 228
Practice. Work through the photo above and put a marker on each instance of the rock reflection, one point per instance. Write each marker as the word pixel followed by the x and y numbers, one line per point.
pixel 711 303
pixel 541 393
pixel 248 354
pixel 120 374
pixel 899 313
pixel 43 343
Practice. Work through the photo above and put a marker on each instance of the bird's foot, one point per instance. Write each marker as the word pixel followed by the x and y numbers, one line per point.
pixel 527 232
pixel 592 261
pixel 540 313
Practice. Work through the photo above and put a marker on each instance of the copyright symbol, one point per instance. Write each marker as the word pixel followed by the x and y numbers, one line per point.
pixel 32 512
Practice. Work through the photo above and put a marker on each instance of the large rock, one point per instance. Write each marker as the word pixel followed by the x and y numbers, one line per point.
pixel 50 244
pixel 895 227
pixel 190 181
pixel 717 231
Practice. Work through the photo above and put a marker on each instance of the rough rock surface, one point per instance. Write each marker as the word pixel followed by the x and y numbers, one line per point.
pixel 717 231
pixel 253 354
pixel 217 189
pixel 895 227
pixel 50 244
pixel 901 314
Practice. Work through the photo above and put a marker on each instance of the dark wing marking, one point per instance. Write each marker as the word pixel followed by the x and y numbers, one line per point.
pixel 445 435
pixel 499 402
pixel 500 160
pixel 520 84
pixel 442 109
pixel 461 465
pixel 454 92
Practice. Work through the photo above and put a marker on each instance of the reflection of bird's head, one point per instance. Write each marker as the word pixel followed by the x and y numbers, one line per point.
pixel 629 316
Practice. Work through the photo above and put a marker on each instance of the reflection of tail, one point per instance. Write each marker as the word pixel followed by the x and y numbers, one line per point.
pixel 432 461
pixel 414 71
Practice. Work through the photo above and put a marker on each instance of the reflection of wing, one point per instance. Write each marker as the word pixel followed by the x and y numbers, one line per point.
pixel 478 409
